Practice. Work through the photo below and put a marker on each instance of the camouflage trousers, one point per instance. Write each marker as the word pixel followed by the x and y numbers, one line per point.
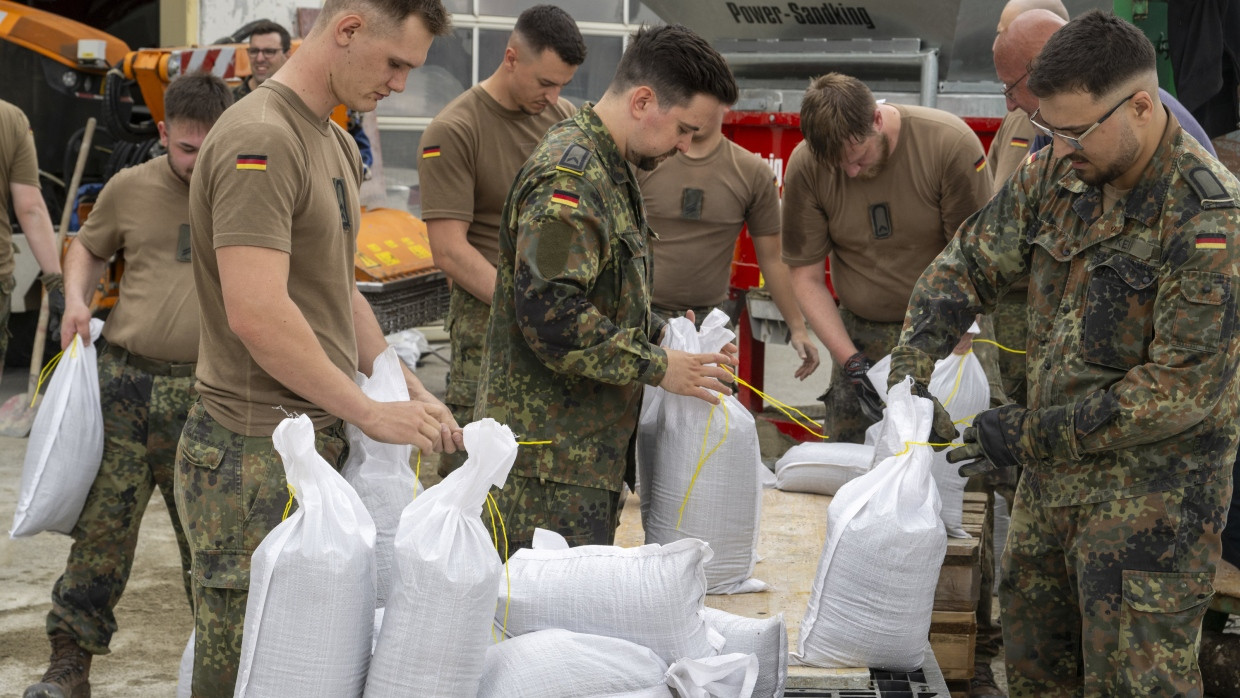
pixel 7 284
pixel 845 422
pixel 1106 599
pixel 467 333
pixel 231 492
pixel 583 515
pixel 142 419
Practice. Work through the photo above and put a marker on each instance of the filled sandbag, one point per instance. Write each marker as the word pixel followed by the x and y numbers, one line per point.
pixel 65 445
pixel 765 638
pixel 437 623
pixel 652 595
pixel 557 663
pixel 310 612
pixel 700 471
pixel 380 472
pixel 873 593
pixel 721 676
pixel 821 468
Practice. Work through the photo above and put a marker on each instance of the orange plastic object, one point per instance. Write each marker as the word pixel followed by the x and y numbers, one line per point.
pixel 392 245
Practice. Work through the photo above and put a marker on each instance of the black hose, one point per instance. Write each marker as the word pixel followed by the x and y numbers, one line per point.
pixel 115 88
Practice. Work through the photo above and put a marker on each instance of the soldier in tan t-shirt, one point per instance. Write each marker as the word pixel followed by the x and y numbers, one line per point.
pixel 697 202
pixel 274 214
pixel 470 154
pixel 880 188
pixel 1010 146
pixel 146 374
pixel 21 194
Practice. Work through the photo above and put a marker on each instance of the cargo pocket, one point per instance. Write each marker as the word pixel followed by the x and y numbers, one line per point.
pixel 1118 319
pixel 218 569
pixel 1200 311
pixel 1160 625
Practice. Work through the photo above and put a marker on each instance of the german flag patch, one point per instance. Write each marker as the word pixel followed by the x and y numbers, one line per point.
pixel 981 163
pixel 430 151
pixel 559 196
pixel 1211 241
pixel 1033 157
pixel 1019 143
pixel 257 163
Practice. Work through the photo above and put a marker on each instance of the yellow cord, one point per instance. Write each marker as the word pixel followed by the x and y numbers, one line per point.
pixel 959 375
pixel 1007 349
pixel 533 443
pixel 417 474
pixel 910 444
pixel 47 371
pixel 785 408
pixel 493 510
pixel 704 456
pixel 288 506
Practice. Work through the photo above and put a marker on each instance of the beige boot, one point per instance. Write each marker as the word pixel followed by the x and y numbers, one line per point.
pixel 68 671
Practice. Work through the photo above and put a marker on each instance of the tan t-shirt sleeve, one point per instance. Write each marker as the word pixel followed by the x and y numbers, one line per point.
pixel 446 172
pixel 259 179
pixel 762 217
pixel 100 235
pixel 24 165
pixel 966 183
pixel 805 231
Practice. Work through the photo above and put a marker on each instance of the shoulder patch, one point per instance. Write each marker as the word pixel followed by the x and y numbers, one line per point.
pixel 1205 184
pixel 1019 143
pixel 431 151
pixel 565 198
pixel 574 160
pixel 980 164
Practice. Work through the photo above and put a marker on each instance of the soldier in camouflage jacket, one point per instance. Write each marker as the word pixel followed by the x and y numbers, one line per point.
pixel 572 340
pixel 1128 238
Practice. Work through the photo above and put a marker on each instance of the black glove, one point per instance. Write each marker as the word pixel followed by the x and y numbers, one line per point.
pixel 855 371
pixel 942 429
pixel 988 442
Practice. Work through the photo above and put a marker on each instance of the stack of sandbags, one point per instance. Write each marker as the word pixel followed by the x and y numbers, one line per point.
pixel 380 472
pixel 699 469
pixel 309 616
pixel 821 468
pixel 873 593
pixel 437 623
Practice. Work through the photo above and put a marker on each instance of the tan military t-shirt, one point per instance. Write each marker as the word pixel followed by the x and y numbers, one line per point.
pixel 882 233
pixel 144 210
pixel 18 165
pixel 272 174
pixel 1010 146
pixel 471 153
pixel 697 207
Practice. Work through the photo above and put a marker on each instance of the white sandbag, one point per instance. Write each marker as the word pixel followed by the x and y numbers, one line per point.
pixel 961 385
pixel 557 663
pixel 723 676
pixel 651 595
pixel 65 445
pixel 873 593
pixel 309 617
pixel 765 638
pixel 437 624
pixel 702 478
pixel 185 671
pixel 821 468
pixel 380 472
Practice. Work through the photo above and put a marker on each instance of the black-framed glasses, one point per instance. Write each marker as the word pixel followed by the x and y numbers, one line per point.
pixel 268 52
pixel 1075 141
pixel 1007 89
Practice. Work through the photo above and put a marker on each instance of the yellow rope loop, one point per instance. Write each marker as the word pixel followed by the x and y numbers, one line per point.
pixel 956 386
pixel 783 407
pixel 47 372
pixel 704 456
pixel 908 445
pixel 493 510
pixel 991 341
pixel 289 506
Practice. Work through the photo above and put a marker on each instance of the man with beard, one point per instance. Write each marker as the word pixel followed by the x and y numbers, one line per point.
pixel 572 340
pixel 881 189
pixel 1127 232
pixel 146 375
pixel 470 154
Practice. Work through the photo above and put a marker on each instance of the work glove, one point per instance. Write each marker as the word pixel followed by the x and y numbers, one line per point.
pixel 855 369
pixel 907 362
pixel 53 282
pixel 1012 435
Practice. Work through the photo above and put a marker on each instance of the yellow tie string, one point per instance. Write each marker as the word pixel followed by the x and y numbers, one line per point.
pixel 908 445
pixel 289 506
pixel 991 341
pixel 47 371
pixel 704 456
pixel 786 409
pixel 493 510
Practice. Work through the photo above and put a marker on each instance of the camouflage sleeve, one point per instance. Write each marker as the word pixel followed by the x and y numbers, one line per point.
pixel 562 253
pixel 989 252
pixel 1193 351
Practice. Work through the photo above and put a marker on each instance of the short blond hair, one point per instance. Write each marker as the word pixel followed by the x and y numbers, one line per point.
pixel 836 110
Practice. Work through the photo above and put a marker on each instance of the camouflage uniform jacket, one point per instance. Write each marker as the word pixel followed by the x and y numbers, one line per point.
pixel 569 340
pixel 1133 370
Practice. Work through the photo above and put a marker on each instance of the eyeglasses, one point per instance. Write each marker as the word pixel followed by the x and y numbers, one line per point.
pixel 1074 142
pixel 1007 89
pixel 268 52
